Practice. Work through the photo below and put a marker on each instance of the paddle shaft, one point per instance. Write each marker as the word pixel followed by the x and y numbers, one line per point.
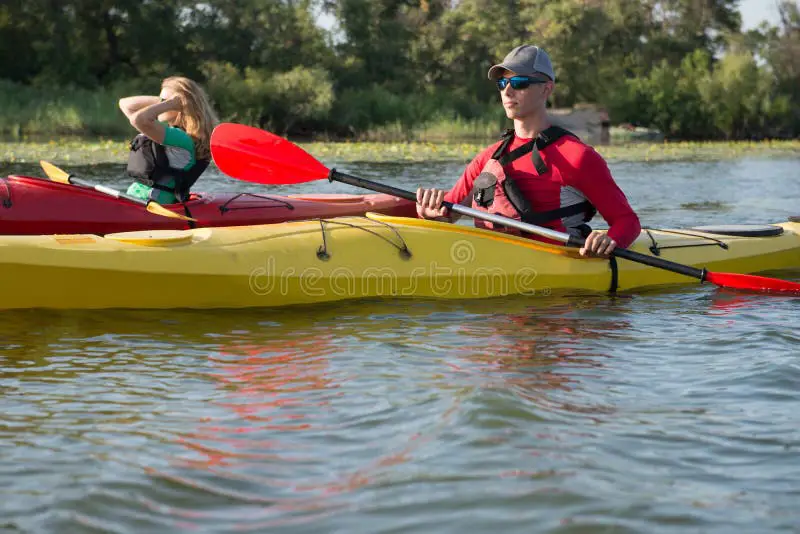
pixel 106 190
pixel 567 239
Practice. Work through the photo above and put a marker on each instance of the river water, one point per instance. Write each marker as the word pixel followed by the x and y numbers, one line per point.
pixel 667 411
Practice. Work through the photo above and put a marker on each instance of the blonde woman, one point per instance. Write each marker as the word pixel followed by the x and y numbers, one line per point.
pixel 172 149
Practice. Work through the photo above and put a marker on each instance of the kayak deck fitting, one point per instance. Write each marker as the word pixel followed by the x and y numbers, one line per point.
pixel 322 260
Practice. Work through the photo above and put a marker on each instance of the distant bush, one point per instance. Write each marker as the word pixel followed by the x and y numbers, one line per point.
pixel 279 102
pixel 65 110
pixel 733 98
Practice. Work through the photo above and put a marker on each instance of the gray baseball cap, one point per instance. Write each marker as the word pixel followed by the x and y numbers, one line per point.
pixel 525 60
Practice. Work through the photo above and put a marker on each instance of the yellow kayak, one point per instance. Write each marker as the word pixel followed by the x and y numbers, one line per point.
pixel 351 257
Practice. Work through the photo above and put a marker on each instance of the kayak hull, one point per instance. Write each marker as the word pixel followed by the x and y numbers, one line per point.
pixel 316 261
pixel 37 206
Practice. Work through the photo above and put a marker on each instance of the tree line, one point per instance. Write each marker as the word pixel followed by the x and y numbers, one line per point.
pixel 684 67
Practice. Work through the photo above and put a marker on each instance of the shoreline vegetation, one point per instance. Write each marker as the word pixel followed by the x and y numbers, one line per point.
pixel 401 71
pixel 68 151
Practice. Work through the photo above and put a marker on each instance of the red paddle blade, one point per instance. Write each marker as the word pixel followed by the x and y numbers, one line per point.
pixel 255 155
pixel 754 283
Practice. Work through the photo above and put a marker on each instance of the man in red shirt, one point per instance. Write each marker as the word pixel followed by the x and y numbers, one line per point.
pixel 538 173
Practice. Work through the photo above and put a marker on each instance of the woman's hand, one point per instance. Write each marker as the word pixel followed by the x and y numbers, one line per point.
pixel 429 204
pixel 598 245
pixel 172 104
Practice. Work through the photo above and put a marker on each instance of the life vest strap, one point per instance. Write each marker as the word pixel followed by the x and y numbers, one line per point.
pixel 541 217
pixel 545 138
pixel 612 264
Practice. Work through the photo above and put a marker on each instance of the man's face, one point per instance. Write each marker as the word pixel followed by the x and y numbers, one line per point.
pixel 522 103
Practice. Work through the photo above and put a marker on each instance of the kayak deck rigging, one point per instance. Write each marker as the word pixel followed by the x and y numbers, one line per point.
pixel 344 258
pixel 322 251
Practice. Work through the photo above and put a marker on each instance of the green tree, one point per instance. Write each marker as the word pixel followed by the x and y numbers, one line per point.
pixel 18 56
pixel 95 42
pixel 458 47
pixel 681 26
pixel 681 65
pixel 738 96
pixel 378 38
pixel 783 55
pixel 274 34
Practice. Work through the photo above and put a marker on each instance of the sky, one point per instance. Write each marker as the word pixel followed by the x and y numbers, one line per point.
pixel 756 11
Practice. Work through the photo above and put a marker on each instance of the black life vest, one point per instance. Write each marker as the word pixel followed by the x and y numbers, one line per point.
pixel 148 164
pixel 495 192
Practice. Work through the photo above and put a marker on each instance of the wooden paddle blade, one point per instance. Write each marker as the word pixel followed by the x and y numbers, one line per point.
pixel 255 155
pixel 754 283
pixel 54 173
pixel 158 209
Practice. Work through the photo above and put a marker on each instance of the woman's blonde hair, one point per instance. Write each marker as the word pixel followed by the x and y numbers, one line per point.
pixel 198 118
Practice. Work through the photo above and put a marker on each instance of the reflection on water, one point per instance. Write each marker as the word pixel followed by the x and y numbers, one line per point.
pixel 288 416
pixel 390 415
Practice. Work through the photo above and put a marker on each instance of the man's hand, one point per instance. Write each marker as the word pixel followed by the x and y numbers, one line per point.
pixel 429 204
pixel 598 245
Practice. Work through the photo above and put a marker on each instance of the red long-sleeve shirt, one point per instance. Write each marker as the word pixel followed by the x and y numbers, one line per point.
pixel 570 163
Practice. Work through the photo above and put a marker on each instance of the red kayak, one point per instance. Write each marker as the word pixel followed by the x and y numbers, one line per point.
pixel 35 206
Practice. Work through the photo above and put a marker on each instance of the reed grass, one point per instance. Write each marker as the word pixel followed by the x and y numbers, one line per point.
pixel 80 151
pixel 30 111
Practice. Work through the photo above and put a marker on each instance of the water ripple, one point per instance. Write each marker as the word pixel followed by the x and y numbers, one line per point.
pixel 661 411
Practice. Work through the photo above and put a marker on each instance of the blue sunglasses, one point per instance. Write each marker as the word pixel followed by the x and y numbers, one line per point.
pixel 519 82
